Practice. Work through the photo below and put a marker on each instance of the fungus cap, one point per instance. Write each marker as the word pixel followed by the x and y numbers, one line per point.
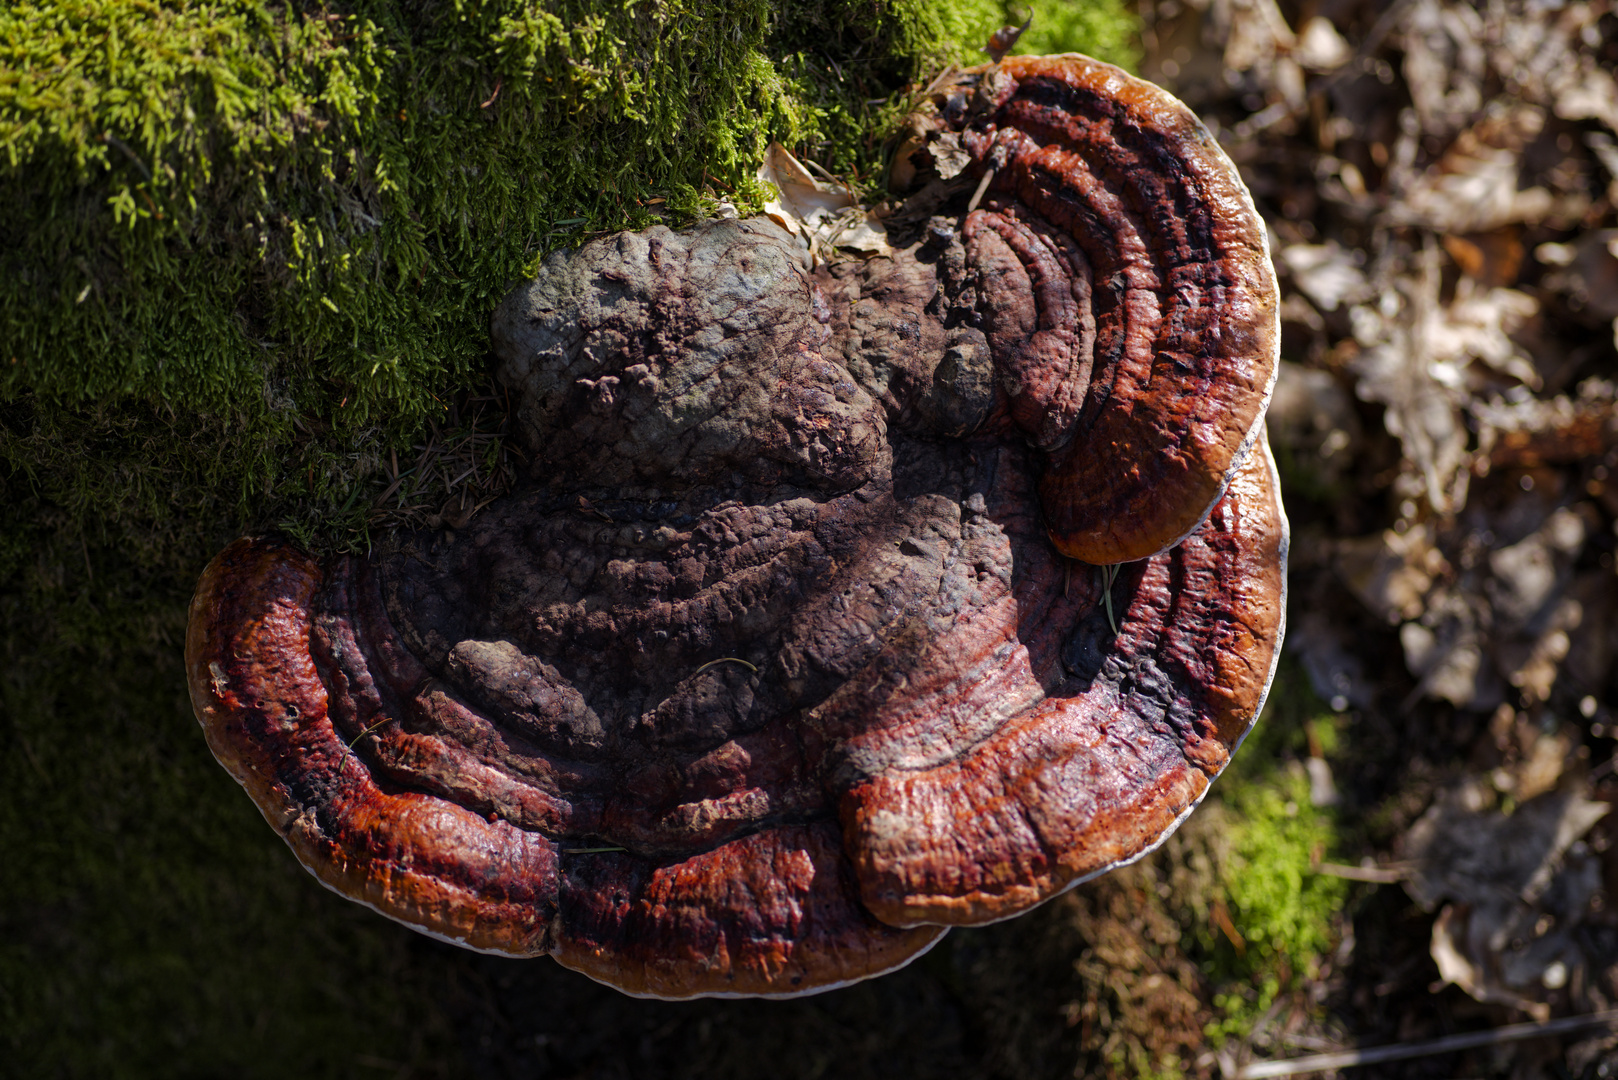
pixel 773 669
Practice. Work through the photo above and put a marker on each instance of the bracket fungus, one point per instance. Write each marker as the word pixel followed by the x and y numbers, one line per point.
pixel 783 659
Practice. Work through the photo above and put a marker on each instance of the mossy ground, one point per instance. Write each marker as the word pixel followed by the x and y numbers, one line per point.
pixel 249 255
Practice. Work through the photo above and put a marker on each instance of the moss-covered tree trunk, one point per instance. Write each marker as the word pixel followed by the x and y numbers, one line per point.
pixel 247 262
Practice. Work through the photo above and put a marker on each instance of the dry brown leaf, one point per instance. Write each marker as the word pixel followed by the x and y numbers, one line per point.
pixel 825 215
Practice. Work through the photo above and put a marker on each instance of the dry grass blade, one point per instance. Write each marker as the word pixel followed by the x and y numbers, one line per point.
pixel 725 660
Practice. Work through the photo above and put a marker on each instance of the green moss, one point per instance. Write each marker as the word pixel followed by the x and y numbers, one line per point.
pixel 1105 29
pixel 245 223
pixel 1270 838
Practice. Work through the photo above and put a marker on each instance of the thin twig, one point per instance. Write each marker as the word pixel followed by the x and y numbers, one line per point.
pixel 1426 1047
pixel 114 141
pixel 983 185
pixel 1380 875
pixel 939 81
pixel 590 850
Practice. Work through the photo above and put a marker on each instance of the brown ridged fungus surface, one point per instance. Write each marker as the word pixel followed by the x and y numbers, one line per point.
pixel 772 671
pixel 1128 292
